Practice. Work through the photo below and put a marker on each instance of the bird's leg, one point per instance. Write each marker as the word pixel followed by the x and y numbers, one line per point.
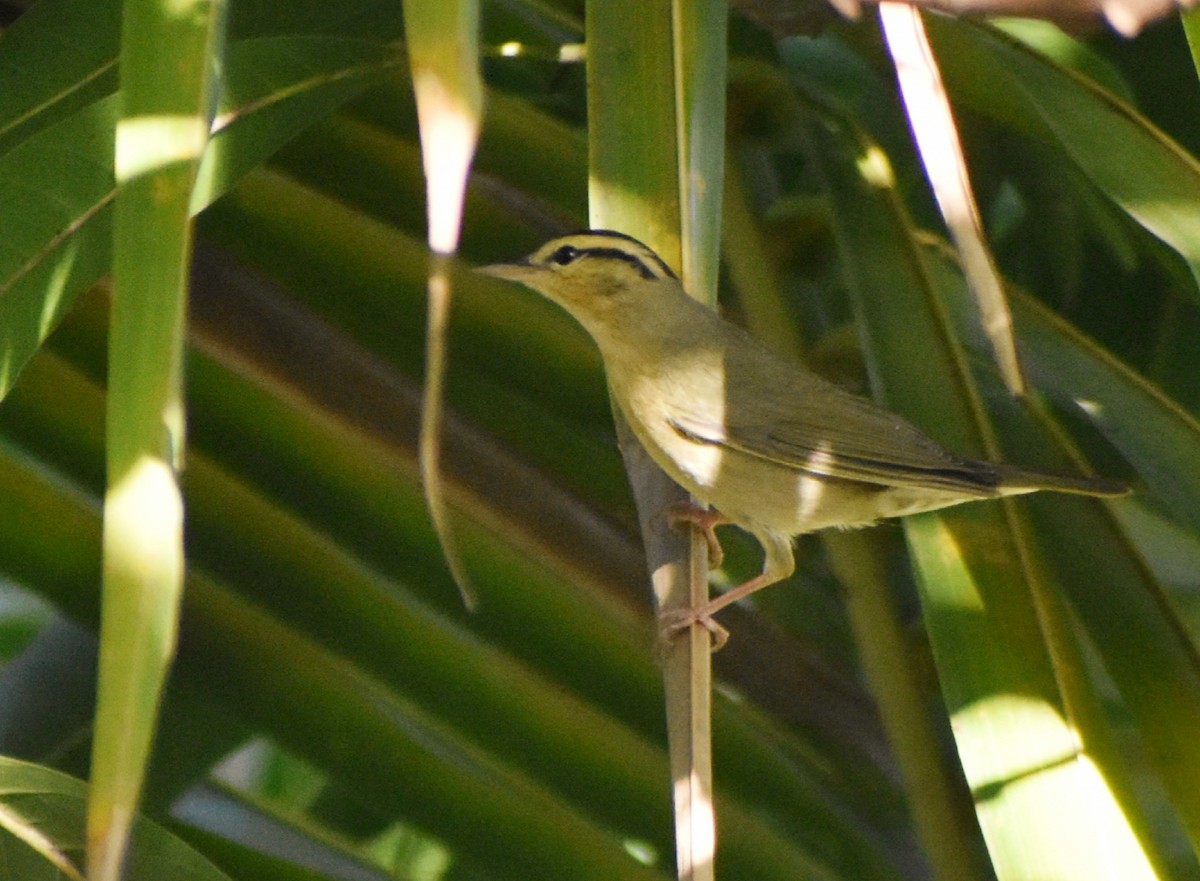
pixel 704 519
pixel 780 562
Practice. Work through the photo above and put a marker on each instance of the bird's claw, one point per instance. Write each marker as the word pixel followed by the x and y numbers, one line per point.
pixel 674 622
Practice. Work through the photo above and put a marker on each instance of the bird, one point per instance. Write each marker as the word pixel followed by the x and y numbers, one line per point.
pixel 759 440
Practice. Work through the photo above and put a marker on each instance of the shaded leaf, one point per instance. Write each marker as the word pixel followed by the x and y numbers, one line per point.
pixel 44 811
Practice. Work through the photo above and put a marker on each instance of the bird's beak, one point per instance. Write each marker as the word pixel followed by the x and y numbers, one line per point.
pixel 509 271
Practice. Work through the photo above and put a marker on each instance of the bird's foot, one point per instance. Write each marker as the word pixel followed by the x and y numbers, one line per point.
pixel 706 521
pixel 672 623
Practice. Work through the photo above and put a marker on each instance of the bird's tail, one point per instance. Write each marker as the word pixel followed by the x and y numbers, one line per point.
pixel 1014 481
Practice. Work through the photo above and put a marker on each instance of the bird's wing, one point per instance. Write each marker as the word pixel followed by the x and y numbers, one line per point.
pixel 815 427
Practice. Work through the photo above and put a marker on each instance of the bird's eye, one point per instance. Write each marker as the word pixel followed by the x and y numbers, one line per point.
pixel 564 255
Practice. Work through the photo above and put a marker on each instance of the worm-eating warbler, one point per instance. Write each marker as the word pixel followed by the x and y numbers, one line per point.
pixel 772 447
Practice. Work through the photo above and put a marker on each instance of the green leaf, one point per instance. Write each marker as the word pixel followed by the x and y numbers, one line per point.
pixel 1123 154
pixel 60 183
pixel 42 816
pixel 58 178
pixel 1145 647
pixel 60 56
pixel 275 88
pixel 997 637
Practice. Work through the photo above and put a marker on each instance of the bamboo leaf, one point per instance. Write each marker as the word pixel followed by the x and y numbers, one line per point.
pixel 1003 658
pixel 57 176
pixel 60 183
pixel 42 816
pixel 1124 155
pixel 59 58
pixel 1145 647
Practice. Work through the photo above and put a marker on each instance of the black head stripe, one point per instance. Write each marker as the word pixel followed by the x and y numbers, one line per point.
pixel 617 254
pixel 663 268
pixel 648 264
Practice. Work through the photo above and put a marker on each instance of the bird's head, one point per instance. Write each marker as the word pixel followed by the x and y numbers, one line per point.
pixel 593 275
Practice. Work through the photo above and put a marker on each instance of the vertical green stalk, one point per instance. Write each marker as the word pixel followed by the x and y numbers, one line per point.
pixel 167 59
pixel 633 187
pixel 700 37
pixel 656 111
pixel 633 176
